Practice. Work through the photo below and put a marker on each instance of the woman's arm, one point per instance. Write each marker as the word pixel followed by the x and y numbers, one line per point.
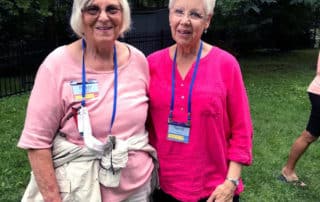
pixel 234 171
pixel 240 135
pixel 42 167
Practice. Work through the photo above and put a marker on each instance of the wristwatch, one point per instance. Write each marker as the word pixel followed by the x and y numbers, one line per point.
pixel 234 181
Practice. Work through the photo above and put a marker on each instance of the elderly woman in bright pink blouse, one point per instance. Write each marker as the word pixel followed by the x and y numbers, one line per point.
pixel 199 112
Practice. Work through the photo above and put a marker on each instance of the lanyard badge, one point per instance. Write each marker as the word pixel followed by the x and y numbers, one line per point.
pixel 180 132
pixel 83 118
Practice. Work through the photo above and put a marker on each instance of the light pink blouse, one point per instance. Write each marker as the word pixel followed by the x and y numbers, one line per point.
pixel 221 128
pixel 54 96
pixel 314 86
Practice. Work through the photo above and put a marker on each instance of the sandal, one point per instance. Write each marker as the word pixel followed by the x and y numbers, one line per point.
pixel 297 182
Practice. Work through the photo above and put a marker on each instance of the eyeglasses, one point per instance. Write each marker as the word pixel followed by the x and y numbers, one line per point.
pixel 193 15
pixel 95 10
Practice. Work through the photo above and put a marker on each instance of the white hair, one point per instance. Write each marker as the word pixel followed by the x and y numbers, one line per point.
pixel 76 16
pixel 208 5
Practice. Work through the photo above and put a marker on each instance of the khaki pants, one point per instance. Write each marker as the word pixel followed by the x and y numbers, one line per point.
pixel 78 181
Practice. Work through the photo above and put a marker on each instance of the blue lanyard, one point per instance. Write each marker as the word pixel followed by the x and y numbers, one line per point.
pixel 115 62
pixel 191 85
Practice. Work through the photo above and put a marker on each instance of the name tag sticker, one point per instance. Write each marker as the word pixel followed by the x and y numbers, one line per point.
pixel 178 132
pixel 92 89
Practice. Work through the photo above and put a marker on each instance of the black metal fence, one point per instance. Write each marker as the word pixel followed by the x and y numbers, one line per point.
pixel 19 62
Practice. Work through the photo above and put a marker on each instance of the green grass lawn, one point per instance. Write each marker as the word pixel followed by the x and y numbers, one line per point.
pixel 279 102
pixel 14 167
pixel 276 85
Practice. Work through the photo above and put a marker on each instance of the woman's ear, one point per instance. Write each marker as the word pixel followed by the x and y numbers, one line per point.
pixel 208 21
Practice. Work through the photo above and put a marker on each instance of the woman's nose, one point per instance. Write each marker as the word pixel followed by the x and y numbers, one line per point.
pixel 185 19
pixel 104 15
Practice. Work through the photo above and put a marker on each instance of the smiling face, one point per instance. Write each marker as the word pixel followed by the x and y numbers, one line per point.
pixel 102 21
pixel 188 20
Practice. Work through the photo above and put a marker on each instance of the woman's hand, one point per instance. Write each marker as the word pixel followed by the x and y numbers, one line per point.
pixel 223 193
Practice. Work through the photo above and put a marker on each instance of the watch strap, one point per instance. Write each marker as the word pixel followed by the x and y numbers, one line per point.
pixel 234 181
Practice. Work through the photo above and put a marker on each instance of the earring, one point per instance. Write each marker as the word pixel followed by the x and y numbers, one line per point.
pixel 205 31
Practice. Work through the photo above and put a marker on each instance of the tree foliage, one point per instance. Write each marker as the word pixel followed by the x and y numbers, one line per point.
pixel 279 24
pixel 22 20
pixel 19 18
pixel 239 25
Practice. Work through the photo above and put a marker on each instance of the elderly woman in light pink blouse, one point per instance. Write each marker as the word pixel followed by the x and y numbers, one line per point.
pixel 85 125
pixel 308 136
pixel 201 124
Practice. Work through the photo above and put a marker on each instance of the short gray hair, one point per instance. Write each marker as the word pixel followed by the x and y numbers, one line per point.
pixel 208 5
pixel 76 16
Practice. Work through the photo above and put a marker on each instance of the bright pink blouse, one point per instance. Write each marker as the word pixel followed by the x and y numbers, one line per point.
pixel 54 95
pixel 221 128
